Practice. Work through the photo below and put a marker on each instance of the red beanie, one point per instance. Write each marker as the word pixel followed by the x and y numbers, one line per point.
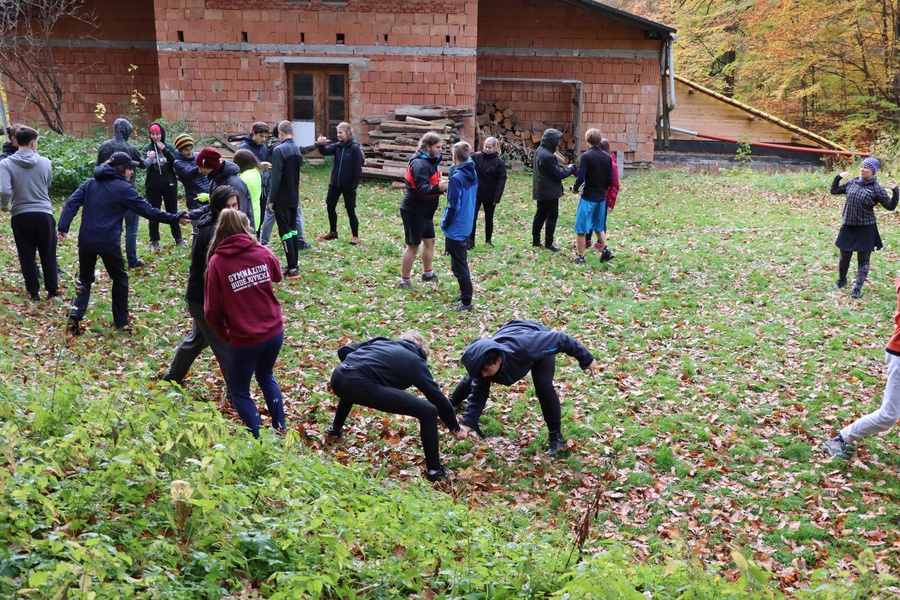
pixel 209 158
pixel 155 128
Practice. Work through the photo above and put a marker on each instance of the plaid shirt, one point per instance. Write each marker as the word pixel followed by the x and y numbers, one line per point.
pixel 862 197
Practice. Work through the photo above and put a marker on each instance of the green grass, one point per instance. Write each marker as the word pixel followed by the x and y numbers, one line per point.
pixel 727 359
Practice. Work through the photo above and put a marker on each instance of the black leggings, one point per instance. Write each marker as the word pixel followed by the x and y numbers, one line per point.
pixel 488 220
pixel 354 387
pixel 156 197
pixel 862 266
pixel 547 212
pixel 331 200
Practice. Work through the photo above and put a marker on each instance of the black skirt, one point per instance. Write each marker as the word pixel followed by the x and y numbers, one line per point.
pixel 859 238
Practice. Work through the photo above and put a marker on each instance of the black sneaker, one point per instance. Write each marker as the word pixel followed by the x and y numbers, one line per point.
pixel 137 265
pixel 841 283
pixel 154 245
pixel 462 307
pixel 432 277
pixel 439 475
pixel 333 433
pixel 292 273
pixel 181 243
pixel 73 326
pixel 552 248
pixel 606 255
pixel 557 443
pixel 35 298
pixel 857 292
pixel 579 260
pixel 536 245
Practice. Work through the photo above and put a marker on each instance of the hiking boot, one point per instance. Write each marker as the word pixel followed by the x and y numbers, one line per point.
pixel 73 326
pixel 606 255
pixel 557 442
pixel 837 447
pixel 407 284
pixel 137 265
pixel 337 434
pixel 841 283
pixel 462 307
pixel 432 277
pixel 579 260
pixel 331 235
pixel 438 475
pixel 552 248
pixel 292 274
pixel 857 292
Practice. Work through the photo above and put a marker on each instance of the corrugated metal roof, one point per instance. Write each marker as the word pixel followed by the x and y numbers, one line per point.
pixel 622 15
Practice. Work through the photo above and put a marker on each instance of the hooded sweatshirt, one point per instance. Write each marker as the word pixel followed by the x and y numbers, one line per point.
pixel 547 176
pixel 160 171
pixel 8 150
pixel 25 177
pixel 521 344
pixel 105 198
pixel 239 301
pixel 462 192
pixel 122 130
pixel 228 173
pixel 422 183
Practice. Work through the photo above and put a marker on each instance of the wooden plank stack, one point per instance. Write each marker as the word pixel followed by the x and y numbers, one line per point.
pixel 499 120
pixel 397 135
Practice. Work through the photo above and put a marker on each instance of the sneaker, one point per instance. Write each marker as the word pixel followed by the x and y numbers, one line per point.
pixel 607 255
pixel 536 245
pixel 438 475
pixel 579 260
pixel 73 326
pixel 137 265
pixel 857 292
pixel 331 235
pixel 463 307
pixel 181 243
pixel 154 245
pixel 841 283
pixel 354 241
pixel 292 273
pixel 303 245
pixel 836 447
pixel 35 298
pixel 431 277
pixel 552 248
pixel 56 298
pixel 556 443
pixel 406 284
pixel 333 433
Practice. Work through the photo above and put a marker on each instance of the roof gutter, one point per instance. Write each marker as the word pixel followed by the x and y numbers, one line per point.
pixel 768 145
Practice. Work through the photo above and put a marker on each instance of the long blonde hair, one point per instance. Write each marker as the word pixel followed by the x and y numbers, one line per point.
pixel 230 222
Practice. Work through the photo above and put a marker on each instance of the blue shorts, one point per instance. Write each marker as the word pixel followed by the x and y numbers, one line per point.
pixel 591 216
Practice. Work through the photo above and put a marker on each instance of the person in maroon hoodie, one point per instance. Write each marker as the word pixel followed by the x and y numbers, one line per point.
pixel 240 306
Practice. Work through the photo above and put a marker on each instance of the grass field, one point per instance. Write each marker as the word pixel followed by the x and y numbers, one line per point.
pixel 727 359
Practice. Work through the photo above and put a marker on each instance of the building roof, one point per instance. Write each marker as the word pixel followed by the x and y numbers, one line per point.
pixel 661 31
pixel 762 115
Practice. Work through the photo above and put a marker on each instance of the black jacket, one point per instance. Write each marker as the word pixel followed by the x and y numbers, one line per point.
pixel 284 186
pixel 160 170
pixel 227 174
pixel 203 236
pixel 521 344
pixel 8 150
pixel 122 130
pixel 194 182
pixel 491 177
pixel 348 163
pixel 546 181
pixel 595 173
pixel 422 183
pixel 398 364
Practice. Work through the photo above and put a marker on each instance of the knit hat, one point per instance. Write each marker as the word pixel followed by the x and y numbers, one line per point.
pixel 209 158
pixel 119 159
pixel 873 163
pixel 155 128
pixel 183 141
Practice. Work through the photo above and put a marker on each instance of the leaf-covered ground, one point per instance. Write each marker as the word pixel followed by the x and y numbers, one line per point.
pixel 727 359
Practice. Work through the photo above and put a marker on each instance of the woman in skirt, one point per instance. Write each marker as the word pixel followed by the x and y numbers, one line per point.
pixel 859 232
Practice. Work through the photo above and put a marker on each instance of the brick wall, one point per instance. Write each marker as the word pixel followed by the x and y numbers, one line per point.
pixel 620 75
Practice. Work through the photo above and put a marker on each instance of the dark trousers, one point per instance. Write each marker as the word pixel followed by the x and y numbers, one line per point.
pixel 156 197
pixel 36 232
pixel 331 200
pixel 132 221
pixel 259 360
pixel 115 266
pixel 200 337
pixel 286 218
pixel 862 266
pixel 354 387
pixel 488 220
pixel 459 264
pixel 547 212
pixel 542 376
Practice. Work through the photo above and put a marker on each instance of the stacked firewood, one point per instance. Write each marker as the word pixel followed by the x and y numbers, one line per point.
pixel 396 138
pixel 499 120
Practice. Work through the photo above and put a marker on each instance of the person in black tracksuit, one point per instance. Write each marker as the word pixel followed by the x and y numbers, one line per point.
pixel 348 162
pixel 491 183
pixel 161 184
pixel 547 188
pixel 375 373
pixel 506 357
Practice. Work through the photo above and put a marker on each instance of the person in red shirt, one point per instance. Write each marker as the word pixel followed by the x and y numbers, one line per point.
pixel 885 417
pixel 241 308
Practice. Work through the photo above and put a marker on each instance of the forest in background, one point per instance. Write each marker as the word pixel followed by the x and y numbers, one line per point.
pixel 829 66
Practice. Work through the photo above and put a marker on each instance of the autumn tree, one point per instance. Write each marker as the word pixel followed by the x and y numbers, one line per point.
pixel 27 61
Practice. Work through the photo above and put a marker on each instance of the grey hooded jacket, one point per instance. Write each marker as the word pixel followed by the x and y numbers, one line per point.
pixel 25 179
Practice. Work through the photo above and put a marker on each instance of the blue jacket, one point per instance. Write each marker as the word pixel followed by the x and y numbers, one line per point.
pixel 521 344
pixel 462 192
pixel 348 163
pixel 194 182
pixel 105 198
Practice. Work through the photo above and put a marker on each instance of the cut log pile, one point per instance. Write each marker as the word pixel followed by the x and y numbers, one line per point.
pixel 498 119
pixel 396 137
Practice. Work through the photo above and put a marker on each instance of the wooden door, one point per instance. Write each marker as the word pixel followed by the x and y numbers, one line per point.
pixel 319 95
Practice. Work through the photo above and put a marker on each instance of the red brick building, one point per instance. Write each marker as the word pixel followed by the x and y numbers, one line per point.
pixel 224 64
